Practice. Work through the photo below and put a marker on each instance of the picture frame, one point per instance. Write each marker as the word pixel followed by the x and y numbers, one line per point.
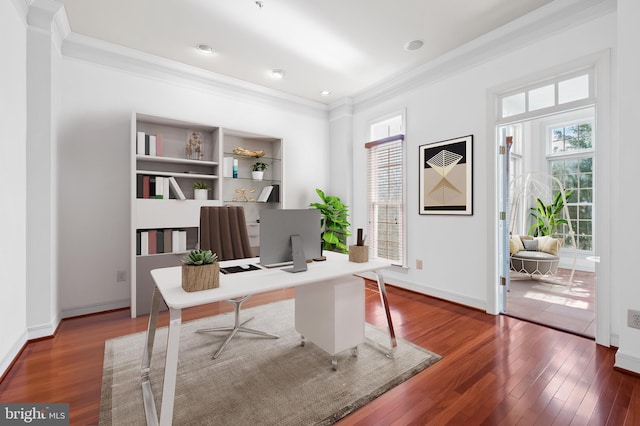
pixel 446 177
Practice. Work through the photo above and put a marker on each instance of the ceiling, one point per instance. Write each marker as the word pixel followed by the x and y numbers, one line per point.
pixel 344 46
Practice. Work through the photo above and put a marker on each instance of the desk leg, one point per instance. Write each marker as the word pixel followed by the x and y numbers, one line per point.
pixel 170 367
pixel 147 396
pixel 385 305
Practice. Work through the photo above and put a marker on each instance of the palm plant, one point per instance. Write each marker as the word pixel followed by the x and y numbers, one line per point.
pixel 547 218
pixel 333 223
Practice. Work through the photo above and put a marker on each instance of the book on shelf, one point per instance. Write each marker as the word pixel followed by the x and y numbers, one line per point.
pixel 152 145
pixel 140 138
pixel 159 150
pixel 152 241
pixel 160 241
pixel 179 241
pixel 265 193
pixel 144 243
pixel 168 237
pixel 274 197
pixel 177 191
pixel 227 168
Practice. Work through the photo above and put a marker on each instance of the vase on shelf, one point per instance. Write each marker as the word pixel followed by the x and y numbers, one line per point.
pixel 200 194
pixel 257 175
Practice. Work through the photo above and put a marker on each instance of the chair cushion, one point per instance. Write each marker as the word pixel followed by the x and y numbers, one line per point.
pixel 548 245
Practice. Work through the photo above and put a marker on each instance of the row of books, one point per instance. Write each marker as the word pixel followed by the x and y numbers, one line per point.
pixel 149 144
pixel 158 187
pixel 158 241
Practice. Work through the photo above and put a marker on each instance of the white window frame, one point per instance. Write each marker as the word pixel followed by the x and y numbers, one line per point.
pixel 576 155
pixel 371 219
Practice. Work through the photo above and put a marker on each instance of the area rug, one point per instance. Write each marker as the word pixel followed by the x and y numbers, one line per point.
pixel 255 381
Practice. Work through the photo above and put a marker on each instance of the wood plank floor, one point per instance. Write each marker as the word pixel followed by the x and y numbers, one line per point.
pixel 495 370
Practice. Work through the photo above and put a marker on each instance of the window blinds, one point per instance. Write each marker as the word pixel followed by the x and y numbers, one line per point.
pixel 385 198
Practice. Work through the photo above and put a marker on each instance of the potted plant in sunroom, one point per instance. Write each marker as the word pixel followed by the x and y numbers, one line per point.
pixel 200 270
pixel 257 170
pixel 334 222
pixel 200 191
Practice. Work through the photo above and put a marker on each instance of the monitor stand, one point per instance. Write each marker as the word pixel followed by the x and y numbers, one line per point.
pixel 299 260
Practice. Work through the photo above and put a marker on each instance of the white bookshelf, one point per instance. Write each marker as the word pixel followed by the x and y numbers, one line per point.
pixel 149 214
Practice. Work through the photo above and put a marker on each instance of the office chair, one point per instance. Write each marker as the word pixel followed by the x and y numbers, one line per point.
pixel 223 230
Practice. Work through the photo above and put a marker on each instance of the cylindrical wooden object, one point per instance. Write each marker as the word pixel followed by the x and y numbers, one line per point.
pixel 358 254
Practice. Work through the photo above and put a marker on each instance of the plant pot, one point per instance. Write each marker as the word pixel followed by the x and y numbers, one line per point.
pixel 257 175
pixel 200 277
pixel 200 194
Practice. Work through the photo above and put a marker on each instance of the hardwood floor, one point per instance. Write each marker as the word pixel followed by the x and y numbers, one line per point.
pixel 495 370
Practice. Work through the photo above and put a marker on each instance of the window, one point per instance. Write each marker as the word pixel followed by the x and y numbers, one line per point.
pixel 386 190
pixel 571 162
pixel 568 91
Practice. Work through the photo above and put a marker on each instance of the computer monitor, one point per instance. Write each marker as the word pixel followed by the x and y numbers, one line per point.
pixel 290 235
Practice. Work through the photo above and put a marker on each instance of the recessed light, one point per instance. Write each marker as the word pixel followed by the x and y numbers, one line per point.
pixel 413 45
pixel 204 48
pixel 325 93
pixel 277 73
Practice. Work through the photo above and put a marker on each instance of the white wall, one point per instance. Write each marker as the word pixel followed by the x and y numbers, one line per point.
pixel 627 204
pixel 13 174
pixel 93 150
pixel 458 252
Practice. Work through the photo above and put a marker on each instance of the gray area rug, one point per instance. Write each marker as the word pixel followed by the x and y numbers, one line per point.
pixel 256 381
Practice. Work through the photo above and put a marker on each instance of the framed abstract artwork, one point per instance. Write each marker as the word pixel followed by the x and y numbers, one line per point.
pixel 446 177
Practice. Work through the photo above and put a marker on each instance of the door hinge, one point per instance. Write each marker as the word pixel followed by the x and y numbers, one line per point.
pixel 503 216
pixel 503 150
pixel 503 281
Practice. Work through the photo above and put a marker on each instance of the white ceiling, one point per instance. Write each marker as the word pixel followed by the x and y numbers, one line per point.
pixel 345 46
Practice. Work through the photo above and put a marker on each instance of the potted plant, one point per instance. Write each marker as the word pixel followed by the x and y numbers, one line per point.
pixel 200 270
pixel 547 218
pixel 334 222
pixel 200 191
pixel 257 170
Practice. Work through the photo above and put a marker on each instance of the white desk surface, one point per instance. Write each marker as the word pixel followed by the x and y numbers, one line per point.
pixel 169 280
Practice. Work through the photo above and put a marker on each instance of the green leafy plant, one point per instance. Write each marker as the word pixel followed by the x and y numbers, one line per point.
pixel 259 167
pixel 547 218
pixel 200 185
pixel 200 257
pixel 334 222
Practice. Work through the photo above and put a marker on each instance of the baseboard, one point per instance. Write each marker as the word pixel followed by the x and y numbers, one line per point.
pixel 92 309
pixel 627 362
pixel 433 292
pixel 10 357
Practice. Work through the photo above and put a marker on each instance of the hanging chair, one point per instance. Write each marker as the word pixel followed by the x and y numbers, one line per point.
pixel 534 213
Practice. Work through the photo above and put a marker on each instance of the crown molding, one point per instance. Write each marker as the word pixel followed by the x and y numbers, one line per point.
pixel 539 24
pixel 22 7
pixel 151 66
pixel 340 109
pixel 49 17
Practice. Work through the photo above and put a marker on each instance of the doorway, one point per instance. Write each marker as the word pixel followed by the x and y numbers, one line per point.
pixel 561 146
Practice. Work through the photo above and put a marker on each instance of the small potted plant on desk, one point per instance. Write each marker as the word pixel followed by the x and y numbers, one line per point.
pixel 257 170
pixel 200 270
pixel 200 191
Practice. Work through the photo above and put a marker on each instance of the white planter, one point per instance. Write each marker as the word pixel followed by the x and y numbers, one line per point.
pixel 257 175
pixel 200 194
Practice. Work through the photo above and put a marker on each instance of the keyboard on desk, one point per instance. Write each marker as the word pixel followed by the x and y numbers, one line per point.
pixel 239 268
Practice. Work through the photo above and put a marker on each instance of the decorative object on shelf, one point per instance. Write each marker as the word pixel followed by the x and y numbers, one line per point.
pixel 235 168
pixel 200 191
pixel 359 253
pixel 194 150
pixel 334 223
pixel 248 153
pixel 200 271
pixel 257 170
pixel 243 195
pixel 446 177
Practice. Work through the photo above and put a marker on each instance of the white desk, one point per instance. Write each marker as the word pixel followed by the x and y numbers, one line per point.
pixel 168 286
